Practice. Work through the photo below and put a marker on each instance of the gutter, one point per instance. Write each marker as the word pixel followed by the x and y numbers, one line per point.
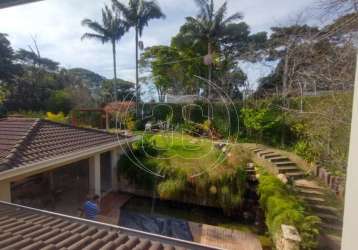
pixel 55 162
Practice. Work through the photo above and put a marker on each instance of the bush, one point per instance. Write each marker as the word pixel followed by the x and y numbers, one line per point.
pixel 172 188
pixel 304 149
pixel 282 207
pixel 60 117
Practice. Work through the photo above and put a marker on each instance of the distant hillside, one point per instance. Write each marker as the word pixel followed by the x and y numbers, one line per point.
pixel 94 80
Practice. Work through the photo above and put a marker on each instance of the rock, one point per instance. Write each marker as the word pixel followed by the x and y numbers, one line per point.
pixel 282 178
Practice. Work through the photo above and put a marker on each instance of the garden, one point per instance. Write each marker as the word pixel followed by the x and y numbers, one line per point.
pixel 199 175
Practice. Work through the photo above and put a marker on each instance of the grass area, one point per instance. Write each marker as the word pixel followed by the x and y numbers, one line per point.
pixel 187 154
pixel 193 169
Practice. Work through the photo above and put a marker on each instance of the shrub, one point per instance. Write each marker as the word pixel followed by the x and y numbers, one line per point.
pixel 172 188
pixel 60 117
pixel 304 149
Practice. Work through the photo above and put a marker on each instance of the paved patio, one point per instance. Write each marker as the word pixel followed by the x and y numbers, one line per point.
pixel 224 238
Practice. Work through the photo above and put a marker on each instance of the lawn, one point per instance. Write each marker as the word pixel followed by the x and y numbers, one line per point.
pixel 189 155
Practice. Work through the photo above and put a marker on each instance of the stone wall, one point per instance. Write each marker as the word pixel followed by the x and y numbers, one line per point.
pixel 288 238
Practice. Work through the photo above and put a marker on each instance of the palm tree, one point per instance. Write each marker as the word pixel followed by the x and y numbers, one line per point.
pixel 111 30
pixel 209 26
pixel 138 13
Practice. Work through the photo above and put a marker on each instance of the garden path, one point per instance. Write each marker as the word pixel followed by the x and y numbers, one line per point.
pixel 317 196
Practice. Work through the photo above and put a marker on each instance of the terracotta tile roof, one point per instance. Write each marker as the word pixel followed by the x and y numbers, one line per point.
pixel 24 141
pixel 31 229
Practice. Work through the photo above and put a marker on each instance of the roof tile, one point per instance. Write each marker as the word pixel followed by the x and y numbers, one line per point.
pixel 24 141
pixel 39 234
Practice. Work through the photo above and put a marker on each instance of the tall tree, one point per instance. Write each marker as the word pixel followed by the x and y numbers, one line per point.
pixel 33 59
pixel 209 26
pixel 138 13
pixel 8 69
pixel 165 76
pixel 111 30
pixel 282 42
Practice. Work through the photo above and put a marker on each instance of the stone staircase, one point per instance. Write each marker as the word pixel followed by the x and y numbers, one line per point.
pixel 314 196
pixel 311 193
pixel 282 163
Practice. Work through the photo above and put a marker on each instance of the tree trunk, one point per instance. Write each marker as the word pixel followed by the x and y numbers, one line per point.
pixel 285 75
pixel 284 92
pixel 301 95
pixel 209 71
pixel 114 71
pixel 136 70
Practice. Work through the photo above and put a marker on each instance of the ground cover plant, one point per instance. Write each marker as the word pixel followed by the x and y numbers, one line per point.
pixel 281 206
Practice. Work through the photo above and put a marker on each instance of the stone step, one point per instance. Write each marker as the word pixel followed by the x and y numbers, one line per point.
pixel 295 175
pixel 330 241
pixel 311 193
pixel 269 156
pixel 307 186
pixel 329 218
pixel 258 150
pixel 285 163
pixel 311 200
pixel 324 209
pixel 283 170
pixel 280 159
pixel 331 227
pixel 265 153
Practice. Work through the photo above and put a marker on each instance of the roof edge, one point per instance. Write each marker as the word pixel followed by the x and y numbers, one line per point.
pixel 16 3
pixel 129 231
pixel 27 169
pixel 76 127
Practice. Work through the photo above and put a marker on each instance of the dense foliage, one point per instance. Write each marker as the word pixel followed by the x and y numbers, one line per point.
pixel 281 206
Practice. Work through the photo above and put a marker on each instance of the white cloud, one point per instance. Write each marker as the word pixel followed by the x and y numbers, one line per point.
pixel 56 25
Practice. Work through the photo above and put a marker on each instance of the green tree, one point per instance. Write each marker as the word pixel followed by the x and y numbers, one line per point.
pixel 111 30
pixel 125 91
pixel 34 59
pixel 138 13
pixel 238 41
pixel 60 101
pixel 164 75
pixel 282 43
pixel 8 69
pixel 209 26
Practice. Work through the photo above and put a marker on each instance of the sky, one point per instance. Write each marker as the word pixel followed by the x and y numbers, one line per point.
pixel 56 26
